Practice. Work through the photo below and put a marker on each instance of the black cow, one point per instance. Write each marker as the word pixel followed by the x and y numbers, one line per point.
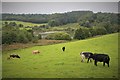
pixel 63 48
pixel 14 56
pixel 101 58
pixel 85 55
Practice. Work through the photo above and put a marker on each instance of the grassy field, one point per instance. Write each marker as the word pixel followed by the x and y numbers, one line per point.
pixel 70 25
pixel 53 63
pixel 26 23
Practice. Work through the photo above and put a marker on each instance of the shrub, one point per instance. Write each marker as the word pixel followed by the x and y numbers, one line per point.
pixel 82 33
pixel 35 39
pixel 14 34
pixel 59 36
pixel 39 36
pixel 100 30
pixel 93 31
pixel 22 38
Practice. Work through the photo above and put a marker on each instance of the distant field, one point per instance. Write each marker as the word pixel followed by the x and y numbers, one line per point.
pixel 26 23
pixel 63 27
pixel 76 25
pixel 53 63
pixel 55 28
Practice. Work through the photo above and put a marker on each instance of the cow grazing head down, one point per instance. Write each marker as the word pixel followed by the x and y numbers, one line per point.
pixel 14 56
pixel 100 58
pixel 63 48
pixel 36 52
pixel 85 55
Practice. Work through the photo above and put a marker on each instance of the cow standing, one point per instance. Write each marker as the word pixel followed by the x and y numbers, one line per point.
pixel 101 58
pixel 85 55
pixel 63 48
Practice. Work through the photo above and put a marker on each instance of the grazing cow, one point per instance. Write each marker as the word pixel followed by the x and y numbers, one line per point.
pixel 35 52
pixel 14 56
pixel 101 58
pixel 85 55
pixel 63 48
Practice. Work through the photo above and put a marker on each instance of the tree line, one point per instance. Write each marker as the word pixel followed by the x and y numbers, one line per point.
pixel 83 33
pixel 91 24
pixel 84 18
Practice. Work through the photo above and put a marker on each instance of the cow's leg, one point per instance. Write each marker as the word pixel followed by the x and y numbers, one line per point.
pixel 82 56
pixel 95 62
pixel 82 59
pixel 88 60
pixel 108 63
pixel 103 63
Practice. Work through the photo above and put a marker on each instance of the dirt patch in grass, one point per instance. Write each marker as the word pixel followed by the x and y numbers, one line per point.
pixel 6 47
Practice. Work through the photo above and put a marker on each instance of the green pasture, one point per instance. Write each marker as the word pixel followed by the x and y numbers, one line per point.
pixel 67 26
pixel 26 23
pixel 70 25
pixel 53 63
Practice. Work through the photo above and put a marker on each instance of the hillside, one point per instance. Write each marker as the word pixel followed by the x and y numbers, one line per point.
pixel 53 63
pixel 63 18
pixel 25 24
pixel 74 24
pixel 84 18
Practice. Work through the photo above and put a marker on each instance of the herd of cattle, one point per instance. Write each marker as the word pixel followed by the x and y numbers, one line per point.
pixel 84 55
pixel 96 57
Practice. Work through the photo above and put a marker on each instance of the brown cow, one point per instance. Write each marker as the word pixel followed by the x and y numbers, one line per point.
pixel 36 52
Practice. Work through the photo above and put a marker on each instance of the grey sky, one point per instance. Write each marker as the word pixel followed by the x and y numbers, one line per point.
pixel 60 0
pixel 57 7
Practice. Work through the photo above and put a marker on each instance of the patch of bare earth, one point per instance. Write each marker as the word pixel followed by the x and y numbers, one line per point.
pixel 21 45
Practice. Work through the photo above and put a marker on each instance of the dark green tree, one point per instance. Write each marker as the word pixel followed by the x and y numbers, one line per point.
pixel 20 25
pixel 100 30
pixel 39 36
pixel 79 34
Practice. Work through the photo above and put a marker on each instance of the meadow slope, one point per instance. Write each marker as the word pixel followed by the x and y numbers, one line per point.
pixel 25 23
pixel 53 63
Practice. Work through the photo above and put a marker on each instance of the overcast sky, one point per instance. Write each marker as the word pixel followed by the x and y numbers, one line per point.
pixel 57 7
pixel 60 0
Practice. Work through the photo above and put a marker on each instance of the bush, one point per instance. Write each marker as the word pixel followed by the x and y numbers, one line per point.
pixel 39 36
pixel 9 36
pixel 59 36
pixel 82 33
pixel 22 38
pixel 93 31
pixel 14 34
pixel 100 30
pixel 35 39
